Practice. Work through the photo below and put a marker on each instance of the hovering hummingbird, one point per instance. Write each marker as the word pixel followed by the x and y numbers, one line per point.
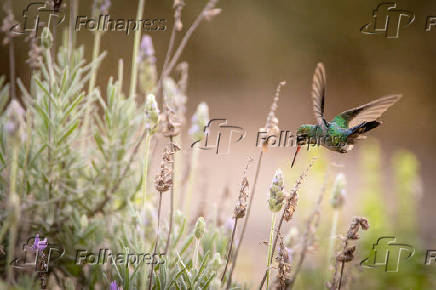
pixel 340 134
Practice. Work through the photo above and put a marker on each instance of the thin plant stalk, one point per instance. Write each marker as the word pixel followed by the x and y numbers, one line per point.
pixel 170 229
pixel 95 52
pixel 241 237
pixel 271 235
pixel 209 5
pixel 293 193
pixel 71 31
pixel 332 238
pixel 145 163
pixel 12 68
pixel 157 240
pixel 12 207
pixel 194 165
pixel 229 252
pixel 134 72
pixel 341 273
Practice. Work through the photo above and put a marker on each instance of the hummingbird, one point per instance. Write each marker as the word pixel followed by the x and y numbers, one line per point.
pixel 339 134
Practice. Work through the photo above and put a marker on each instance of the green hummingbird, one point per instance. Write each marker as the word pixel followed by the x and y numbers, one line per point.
pixel 340 134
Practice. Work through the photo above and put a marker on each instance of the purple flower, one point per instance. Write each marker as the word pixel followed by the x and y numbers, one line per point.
pixel 146 49
pixel 39 245
pixel 114 286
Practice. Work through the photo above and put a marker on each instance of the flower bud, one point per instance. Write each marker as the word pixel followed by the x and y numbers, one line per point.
pixel 199 121
pixel 14 125
pixel 216 262
pixel 151 113
pixel 200 226
pixel 276 193
pixel 46 38
pixel 339 191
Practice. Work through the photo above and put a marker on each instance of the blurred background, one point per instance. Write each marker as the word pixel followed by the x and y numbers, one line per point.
pixel 235 63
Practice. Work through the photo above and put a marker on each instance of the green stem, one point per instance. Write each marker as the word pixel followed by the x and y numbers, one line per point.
pixel 12 207
pixel 271 235
pixel 195 258
pixel 95 52
pixel 194 164
pixel 332 239
pixel 134 72
pixel 145 169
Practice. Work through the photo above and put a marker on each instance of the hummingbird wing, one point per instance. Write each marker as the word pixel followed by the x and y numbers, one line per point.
pixel 318 94
pixel 365 113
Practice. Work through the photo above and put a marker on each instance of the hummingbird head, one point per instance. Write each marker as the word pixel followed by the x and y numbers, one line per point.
pixel 304 134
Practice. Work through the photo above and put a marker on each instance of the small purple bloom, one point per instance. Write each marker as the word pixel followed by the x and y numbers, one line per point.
pixel 39 245
pixel 146 49
pixel 114 286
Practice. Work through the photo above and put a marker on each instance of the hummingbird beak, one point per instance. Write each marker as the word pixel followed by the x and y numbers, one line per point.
pixel 295 155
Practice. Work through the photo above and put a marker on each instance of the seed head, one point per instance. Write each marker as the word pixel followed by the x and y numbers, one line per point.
pixel 272 122
pixel 276 192
pixel 356 224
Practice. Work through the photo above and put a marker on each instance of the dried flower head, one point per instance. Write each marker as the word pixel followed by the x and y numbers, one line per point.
pixel 199 121
pixel 356 224
pixel 339 191
pixel 164 179
pixel 284 265
pixel 347 253
pixel 178 7
pixel 169 123
pixel 241 207
pixel 276 192
pixel 151 113
pixel 292 199
pixel 8 24
pixel 272 122
pixel 15 123
pixel 35 53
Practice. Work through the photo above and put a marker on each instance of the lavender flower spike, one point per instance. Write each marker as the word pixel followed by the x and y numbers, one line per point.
pixel 114 286
pixel 39 245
